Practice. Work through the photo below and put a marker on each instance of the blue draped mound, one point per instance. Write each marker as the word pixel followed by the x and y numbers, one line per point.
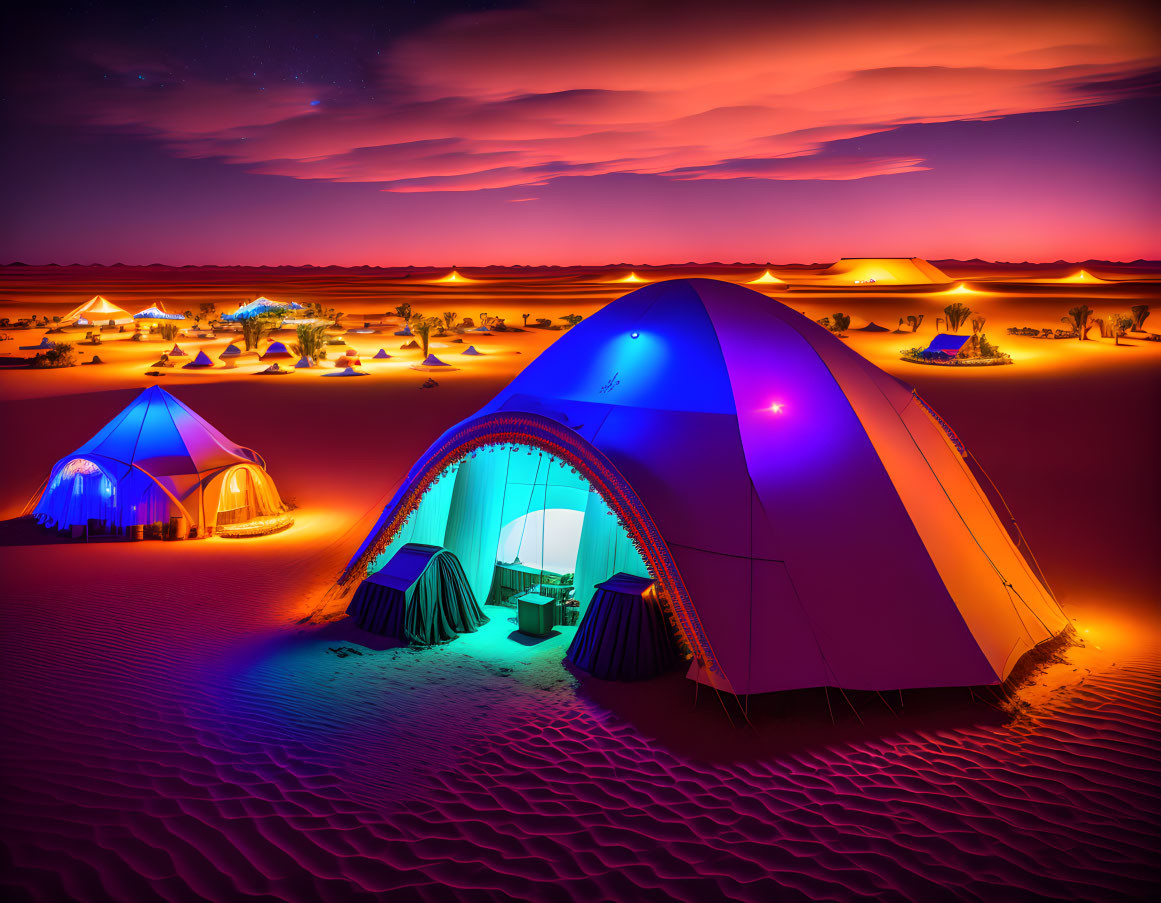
pixel 624 634
pixel 421 596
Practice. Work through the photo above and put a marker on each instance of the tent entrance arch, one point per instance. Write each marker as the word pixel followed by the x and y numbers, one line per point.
pixel 457 493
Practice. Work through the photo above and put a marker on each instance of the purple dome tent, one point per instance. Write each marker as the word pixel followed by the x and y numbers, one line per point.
pixel 713 421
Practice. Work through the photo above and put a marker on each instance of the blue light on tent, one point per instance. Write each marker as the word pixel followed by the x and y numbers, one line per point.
pixel 634 335
pixel 315 103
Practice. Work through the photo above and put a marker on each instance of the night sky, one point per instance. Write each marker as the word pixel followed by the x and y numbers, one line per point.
pixel 571 132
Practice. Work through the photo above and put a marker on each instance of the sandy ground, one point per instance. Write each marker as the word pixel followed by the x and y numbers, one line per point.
pixel 175 730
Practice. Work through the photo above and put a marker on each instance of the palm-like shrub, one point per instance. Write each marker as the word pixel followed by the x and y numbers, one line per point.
pixel 957 315
pixel 254 329
pixel 449 319
pixel 421 326
pixel 840 323
pixel 1138 313
pixel 1080 319
pixel 913 321
pixel 403 311
pixel 572 319
pixel 312 341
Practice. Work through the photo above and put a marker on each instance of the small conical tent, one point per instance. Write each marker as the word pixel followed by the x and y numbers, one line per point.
pixel 712 421
pixel 98 311
pixel 156 460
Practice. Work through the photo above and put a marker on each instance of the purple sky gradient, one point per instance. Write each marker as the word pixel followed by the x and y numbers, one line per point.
pixel 527 135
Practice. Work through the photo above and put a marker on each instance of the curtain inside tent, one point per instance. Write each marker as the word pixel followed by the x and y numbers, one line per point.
pixel 427 523
pixel 77 492
pixel 247 492
pixel 475 516
pixel 605 549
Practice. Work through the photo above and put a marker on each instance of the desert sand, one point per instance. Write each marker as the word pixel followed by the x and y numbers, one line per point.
pixel 178 724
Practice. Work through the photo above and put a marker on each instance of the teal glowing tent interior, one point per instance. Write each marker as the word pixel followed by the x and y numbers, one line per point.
pixel 157 460
pixel 807 518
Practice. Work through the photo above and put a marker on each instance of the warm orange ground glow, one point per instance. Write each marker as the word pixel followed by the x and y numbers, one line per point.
pixel 632 277
pixel 767 278
pixel 453 276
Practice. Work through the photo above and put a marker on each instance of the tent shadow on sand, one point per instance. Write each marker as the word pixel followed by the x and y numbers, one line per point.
pixel 778 724
pixel 788 722
pixel 25 531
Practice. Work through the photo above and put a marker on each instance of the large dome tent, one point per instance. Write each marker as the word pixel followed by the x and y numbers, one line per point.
pixel 154 461
pixel 808 519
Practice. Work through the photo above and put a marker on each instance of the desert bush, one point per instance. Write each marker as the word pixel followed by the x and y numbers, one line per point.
pixel 449 319
pixel 255 329
pixel 840 323
pixel 957 314
pixel 571 319
pixel 914 321
pixel 168 331
pixel 1139 313
pixel 421 326
pixel 312 341
pixel 403 311
pixel 61 355
pixel 1080 319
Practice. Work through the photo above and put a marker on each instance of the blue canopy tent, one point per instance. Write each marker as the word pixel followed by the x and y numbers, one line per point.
pixel 258 307
pixel 709 420
pixel 948 344
pixel 155 461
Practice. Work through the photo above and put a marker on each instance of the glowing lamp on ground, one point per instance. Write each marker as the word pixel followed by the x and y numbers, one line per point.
pixel 634 335
pixel 632 277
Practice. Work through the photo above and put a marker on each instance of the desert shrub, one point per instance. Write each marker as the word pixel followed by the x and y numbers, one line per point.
pixel 571 319
pixel 254 329
pixel 840 323
pixel 167 331
pixel 403 311
pixel 1080 319
pixel 312 341
pixel 61 355
pixel 914 321
pixel 1138 314
pixel 957 315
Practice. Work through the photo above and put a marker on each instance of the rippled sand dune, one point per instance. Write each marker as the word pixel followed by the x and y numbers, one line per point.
pixel 175 728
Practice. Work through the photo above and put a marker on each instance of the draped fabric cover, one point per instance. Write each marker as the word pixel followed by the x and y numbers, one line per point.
pixel 624 635
pixel 426 524
pixel 80 490
pixel 475 516
pixel 605 549
pixel 420 596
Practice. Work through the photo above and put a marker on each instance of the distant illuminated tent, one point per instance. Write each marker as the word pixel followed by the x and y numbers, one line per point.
pixel 381 355
pixel 872 327
pixel 258 307
pixel 632 277
pixel 881 271
pixel 767 278
pixel 177 351
pixel 471 351
pixel 97 311
pixel 432 361
pixel 1081 277
pixel 694 428
pixel 276 351
pixel 202 360
pixel 156 313
pixel 962 289
pixel 453 276
pixel 304 363
pixel 156 460
pixel 409 345
pixel 947 344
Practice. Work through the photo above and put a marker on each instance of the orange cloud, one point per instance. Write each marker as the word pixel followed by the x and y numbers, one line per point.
pixel 693 91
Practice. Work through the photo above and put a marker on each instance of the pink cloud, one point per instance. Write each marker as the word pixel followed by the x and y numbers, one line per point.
pixel 518 97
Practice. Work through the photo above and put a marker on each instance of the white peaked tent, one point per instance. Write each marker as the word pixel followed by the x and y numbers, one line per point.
pixel 155 460
pixel 98 312
pixel 809 520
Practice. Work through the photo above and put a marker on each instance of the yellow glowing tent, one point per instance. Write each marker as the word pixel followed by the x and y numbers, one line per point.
pixel 97 311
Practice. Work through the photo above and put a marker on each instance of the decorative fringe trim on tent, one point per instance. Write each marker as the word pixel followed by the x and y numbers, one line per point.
pixel 955 440
pixel 501 430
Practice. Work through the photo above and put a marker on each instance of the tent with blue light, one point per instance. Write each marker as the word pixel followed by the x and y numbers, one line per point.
pixel 157 462
pixel 260 307
pixel 800 517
